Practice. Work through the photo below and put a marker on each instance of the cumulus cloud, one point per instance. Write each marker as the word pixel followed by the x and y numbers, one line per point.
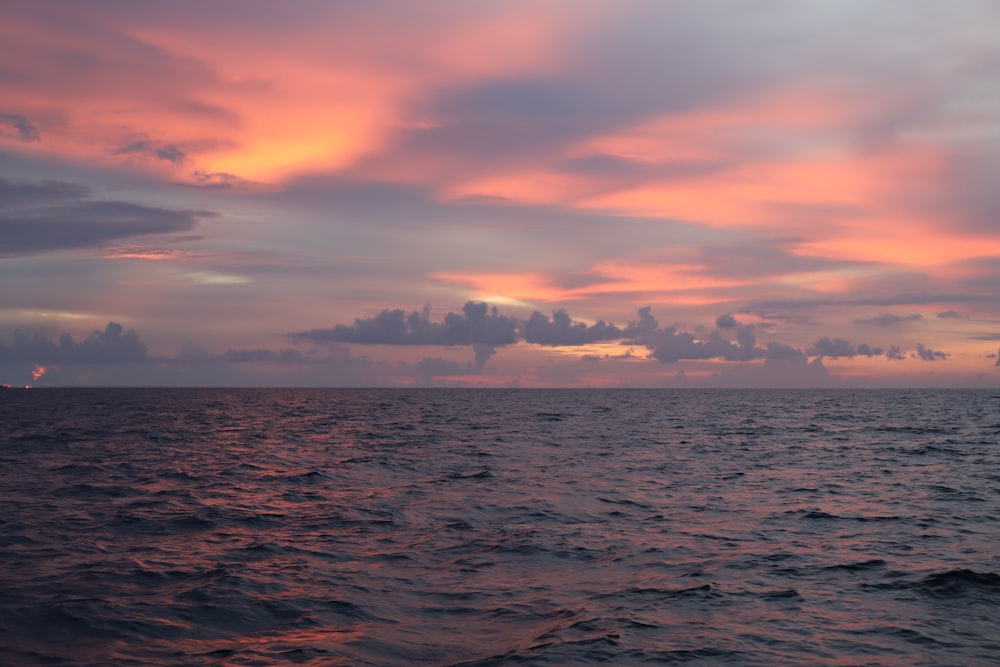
pixel 951 315
pixel 780 352
pixel 561 330
pixel 477 325
pixel 928 354
pixel 110 346
pixel 890 320
pixel 839 347
pixel 726 321
pixel 52 215
pixel 484 329
pixel 669 345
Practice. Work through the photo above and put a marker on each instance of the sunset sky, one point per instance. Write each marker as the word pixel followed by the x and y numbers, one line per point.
pixel 580 193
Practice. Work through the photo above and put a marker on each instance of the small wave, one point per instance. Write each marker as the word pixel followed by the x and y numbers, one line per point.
pixel 483 474
pixel 703 591
pixel 959 583
pixel 858 567
pixel 309 477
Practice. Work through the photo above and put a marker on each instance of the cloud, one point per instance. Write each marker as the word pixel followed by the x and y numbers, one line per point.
pixel 997 364
pixel 951 315
pixel 52 215
pixel 561 330
pixel 726 321
pixel 894 353
pixel 627 354
pixel 668 345
pixel 16 126
pixel 477 325
pixel 16 194
pixel 890 320
pixel 110 346
pixel 839 347
pixel 927 354
pixel 167 152
pixel 218 180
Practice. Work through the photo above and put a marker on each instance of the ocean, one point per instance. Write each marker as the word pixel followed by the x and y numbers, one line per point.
pixel 499 527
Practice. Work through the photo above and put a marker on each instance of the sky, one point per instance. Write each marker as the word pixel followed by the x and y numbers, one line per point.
pixel 638 193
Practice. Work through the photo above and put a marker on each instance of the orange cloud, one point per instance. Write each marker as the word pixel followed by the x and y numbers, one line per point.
pixel 328 88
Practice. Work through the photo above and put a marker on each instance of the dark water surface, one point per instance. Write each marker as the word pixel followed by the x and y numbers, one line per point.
pixel 495 527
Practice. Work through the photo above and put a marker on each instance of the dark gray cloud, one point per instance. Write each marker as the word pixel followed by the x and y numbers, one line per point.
pixel 477 325
pixel 110 346
pixel 52 215
pixel 928 354
pixel 167 152
pixel 780 352
pixel 485 329
pixel 669 345
pixel 561 330
pixel 16 126
pixel 839 347
pixel 726 321
pixel 890 320
pixel 951 315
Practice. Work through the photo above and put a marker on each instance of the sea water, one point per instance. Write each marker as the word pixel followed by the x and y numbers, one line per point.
pixel 496 527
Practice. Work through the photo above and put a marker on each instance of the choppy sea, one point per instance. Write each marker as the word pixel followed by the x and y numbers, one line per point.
pixel 499 527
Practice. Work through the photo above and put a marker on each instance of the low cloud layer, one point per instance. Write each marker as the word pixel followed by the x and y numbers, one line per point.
pixel 477 325
pixel 114 355
pixel 485 329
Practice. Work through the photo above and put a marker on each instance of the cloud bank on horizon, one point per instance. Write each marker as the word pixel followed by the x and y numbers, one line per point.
pixel 803 192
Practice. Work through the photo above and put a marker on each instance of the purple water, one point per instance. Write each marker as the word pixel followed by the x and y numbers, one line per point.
pixel 495 527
